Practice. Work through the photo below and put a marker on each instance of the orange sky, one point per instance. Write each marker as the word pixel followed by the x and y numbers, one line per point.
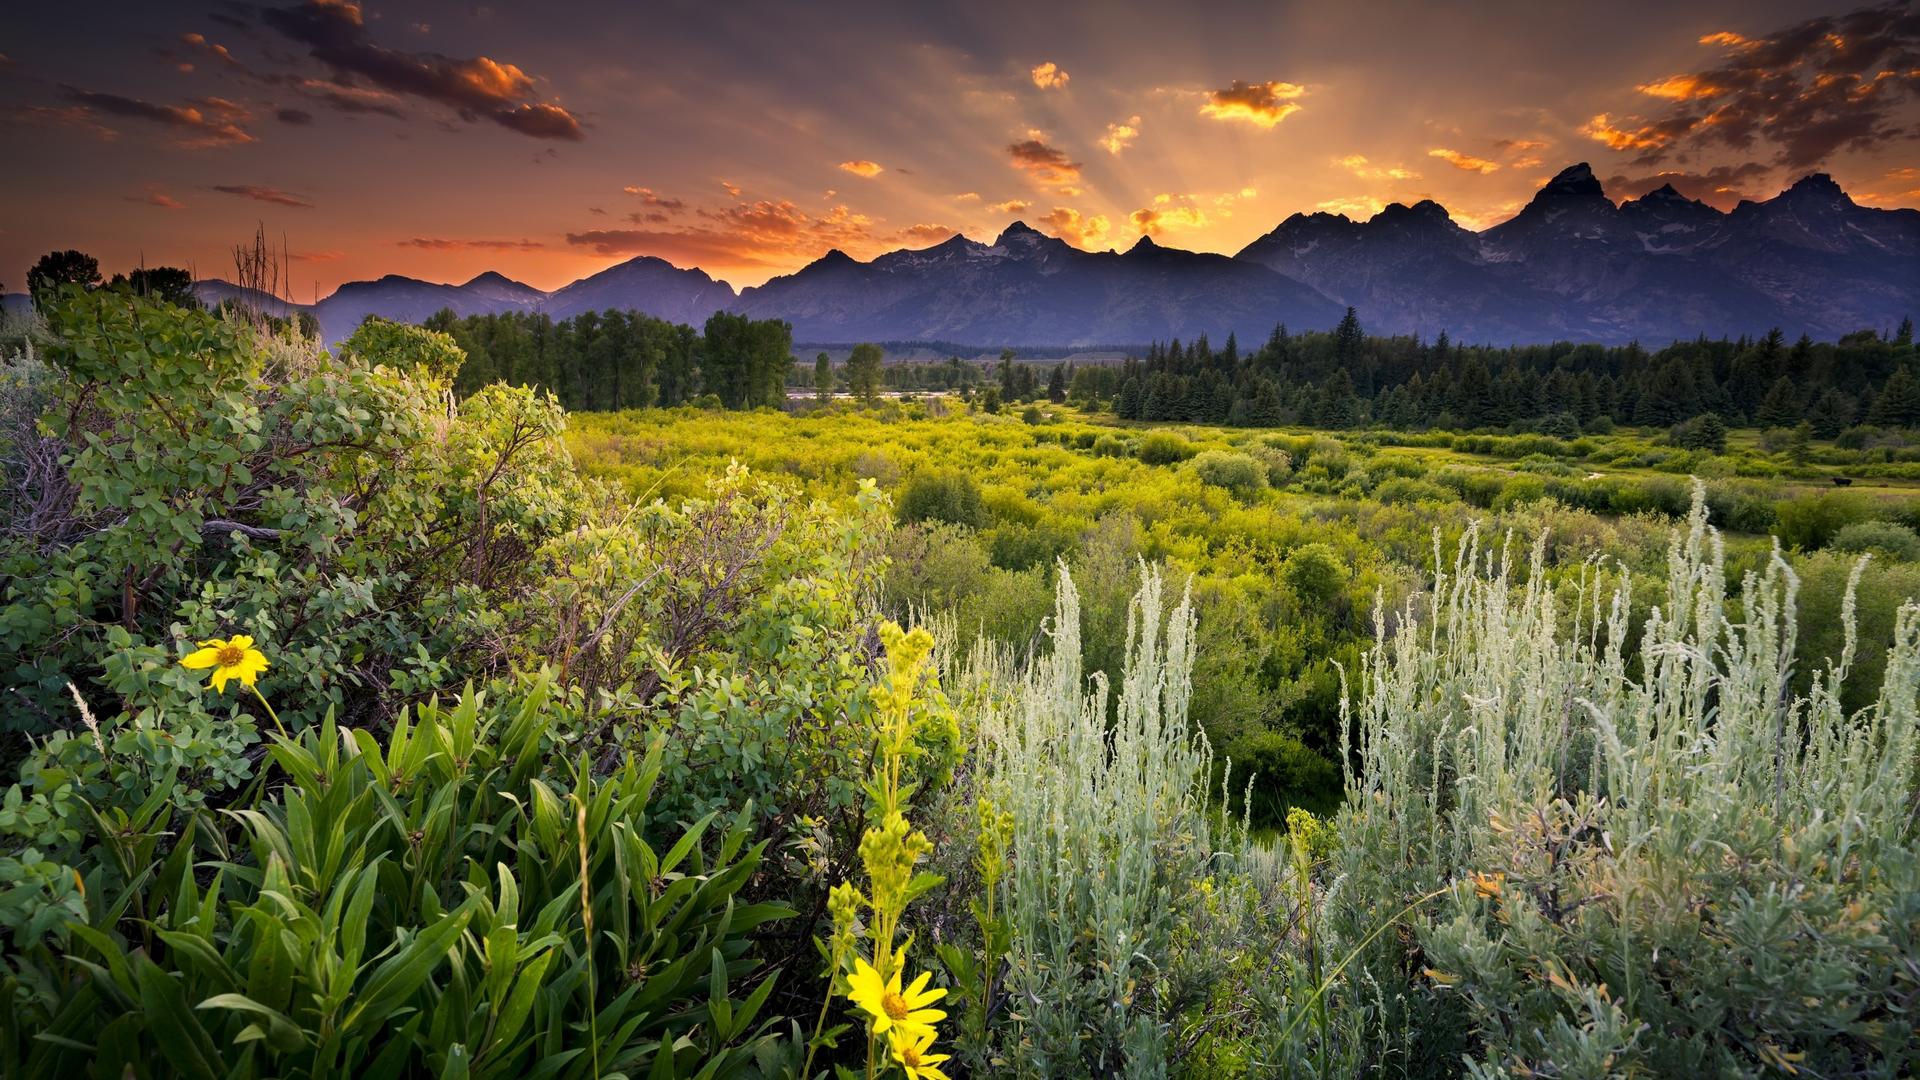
pixel 548 141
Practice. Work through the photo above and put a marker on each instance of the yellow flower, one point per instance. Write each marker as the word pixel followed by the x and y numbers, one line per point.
pixel 891 1009
pixel 913 1054
pixel 1488 886
pixel 233 658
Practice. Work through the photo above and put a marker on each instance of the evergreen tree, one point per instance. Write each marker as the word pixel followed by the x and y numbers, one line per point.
pixel 1057 384
pixel 1780 407
pixel 1899 402
pixel 1832 414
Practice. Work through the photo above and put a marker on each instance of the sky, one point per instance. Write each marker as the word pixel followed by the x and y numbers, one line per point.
pixel 550 140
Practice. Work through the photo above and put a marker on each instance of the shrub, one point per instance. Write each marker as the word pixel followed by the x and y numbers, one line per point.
pixel 1284 774
pixel 1704 432
pixel 1111 446
pixel 1315 573
pixel 1404 491
pixel 1640 837
pixel 1883 538
pixel 1238 473
pixel 1164 448
pixel 1810 522
pixel 951 497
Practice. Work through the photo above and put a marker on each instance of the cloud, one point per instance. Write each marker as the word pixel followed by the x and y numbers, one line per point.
pixel 1155 220
pixel 967 196
pixel 439 243
pixel 296 117
pixel 654 199
pixel 1069 225
pixel 160 199
pixel 199 44
pixel 316 256
pixel 1464 161
pixel 1048 76
pixel 732 189
pixel 1723 186
pixel 336 34
pixel 78 117
pixel 1263 103
pixel 199 124
pixel 1806 91
pixel 1899 186
pixel 1011 206
pixel 863 168
pixel 1358 165
pixel 1359 206
pixel 925 235
pixel 1519 146
pixel 1045 164
pixel 1121 136
pixel 750 234
pixel 265 194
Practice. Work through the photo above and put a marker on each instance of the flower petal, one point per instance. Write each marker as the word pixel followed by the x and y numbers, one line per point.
pixel 203 658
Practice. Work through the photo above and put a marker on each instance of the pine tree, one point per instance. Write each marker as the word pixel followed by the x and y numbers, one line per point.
pixel 1832 414
pixel 1057 384
pixel 1899 402
pixel 1780 407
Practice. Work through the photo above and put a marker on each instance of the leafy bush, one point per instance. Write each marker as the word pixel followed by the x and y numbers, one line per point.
pixel 1164 448
pixel 1238 473
pixel 952 497
pixel 1283 774
pixel 1883 538
pixel 432 903
pixel 1810 522
pixel 1611 872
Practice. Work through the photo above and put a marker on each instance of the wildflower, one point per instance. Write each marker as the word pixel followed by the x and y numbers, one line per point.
pixel 913 1054
pixel 891 1009
pixel 1487 886
pixel 231 658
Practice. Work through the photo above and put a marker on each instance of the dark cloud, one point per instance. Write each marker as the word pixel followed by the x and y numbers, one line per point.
pixel 1722 187
pixel 654 199
pixel 336 35
pixel 297 117
pixel 1808 91
pixel 201 123
pixel 265 194
pixel 749 234
pixel 1047 164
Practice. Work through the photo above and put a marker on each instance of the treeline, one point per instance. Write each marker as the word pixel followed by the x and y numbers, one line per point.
pixel 612 360
pixel 1345 379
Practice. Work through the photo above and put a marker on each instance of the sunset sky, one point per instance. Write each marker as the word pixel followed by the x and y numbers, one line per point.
pixel 550 140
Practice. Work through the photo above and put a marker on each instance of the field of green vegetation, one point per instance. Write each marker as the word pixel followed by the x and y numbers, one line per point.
pixel 364 717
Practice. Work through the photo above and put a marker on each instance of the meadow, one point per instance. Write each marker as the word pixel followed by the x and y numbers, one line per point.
pixel 365 722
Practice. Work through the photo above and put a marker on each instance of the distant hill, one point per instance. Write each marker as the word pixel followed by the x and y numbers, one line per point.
pixel 1571 266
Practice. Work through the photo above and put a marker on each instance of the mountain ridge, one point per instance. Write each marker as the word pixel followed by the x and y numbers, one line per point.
pixel 1572 264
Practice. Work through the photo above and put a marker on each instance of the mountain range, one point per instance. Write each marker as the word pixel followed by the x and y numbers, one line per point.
pixel 1572 265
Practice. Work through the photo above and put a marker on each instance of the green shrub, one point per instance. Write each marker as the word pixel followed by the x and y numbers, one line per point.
pixel 1284 773
pixel 1315 573
pixel 426 905
pixel 1810 522
pixel 1164 448
pixel 1111 446
pixel 1406 491
pixel 1238 473
pixel 1883 538
pixel 951 497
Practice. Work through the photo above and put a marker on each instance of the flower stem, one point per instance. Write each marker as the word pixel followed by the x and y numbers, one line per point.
pixel 263 704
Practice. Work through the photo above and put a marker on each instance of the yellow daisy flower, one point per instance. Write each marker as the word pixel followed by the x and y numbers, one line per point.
pixel 891 1009
pixel 232 658
pixel 916 1057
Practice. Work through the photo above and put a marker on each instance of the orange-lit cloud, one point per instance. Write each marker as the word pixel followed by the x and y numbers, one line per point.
pixel 967 196
pixel 162 200
pixel 1679 88
pixel 203 123
pixel 335 33
pixel 924 235
pixel 1264 103
pixel 652 198
pixel 1048 76
pixel 316 256
pixel 1070 225
pixel 1464 161
pixel 749 235
pixel 265 194
pixel 1011 206
pixel 1156 220
pixel 1046 164
pixel 1120 136
pixel 863 168
pixel 1602 129
pixel 439 243
pixel 1358 165
pixel 1359 206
